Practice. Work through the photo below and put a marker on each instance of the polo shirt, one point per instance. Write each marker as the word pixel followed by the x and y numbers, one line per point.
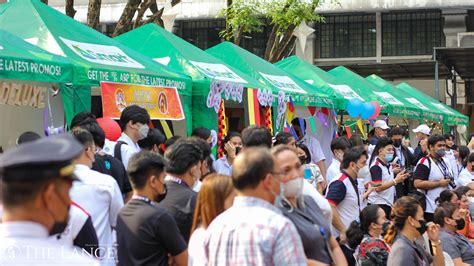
pixel 380 173
pixel 321 201
pixel 333 170
pixel 465 177
pixel 222 166
pixel 180 202
pixel 344 193
pixel 314 147
pixel 457 246
pixel 428 169
pixel 313 228
pixel 146 234
pixel 408 253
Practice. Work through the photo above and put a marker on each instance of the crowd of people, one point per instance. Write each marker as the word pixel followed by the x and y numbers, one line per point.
pixel 269 200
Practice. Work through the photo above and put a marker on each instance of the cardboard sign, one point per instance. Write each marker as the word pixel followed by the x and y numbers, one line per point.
pixel 22 94
pixel 160 102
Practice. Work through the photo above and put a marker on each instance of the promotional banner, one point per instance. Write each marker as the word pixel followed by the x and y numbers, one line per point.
pixel 160 102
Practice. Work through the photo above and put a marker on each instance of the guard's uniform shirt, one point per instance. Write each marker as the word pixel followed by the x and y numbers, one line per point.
pixel 431 170
pixel 344 193
pixel 128 149
pixel 27 243
pixel 381 173
pixel 100 196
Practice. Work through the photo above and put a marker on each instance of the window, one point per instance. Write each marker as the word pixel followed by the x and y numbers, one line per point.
pixel 256 42
pixel 411 33
pixel 202 33
pixel 347 36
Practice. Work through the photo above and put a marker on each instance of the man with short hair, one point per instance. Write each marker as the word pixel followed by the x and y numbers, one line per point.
pixel 153 141
pixel 255 136
pixel 343 193
pixel 422 132
pixel 184 171
pixel 403 157
pixel 433 175
pixel 146 233
pixel 98 194
pixel 253 231
pixel 35 180
pixel 134 122
pixel 317 154
pixel 380 130
pixel 339 146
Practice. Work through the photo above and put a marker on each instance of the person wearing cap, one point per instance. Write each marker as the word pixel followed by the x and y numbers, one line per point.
pixel 134 122
pixel 98 194
pixel 36 178
pixel 422 132
pixel 380 130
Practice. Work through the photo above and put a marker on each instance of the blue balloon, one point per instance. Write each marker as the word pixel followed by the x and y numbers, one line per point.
pixel 354 107
pixel 368 110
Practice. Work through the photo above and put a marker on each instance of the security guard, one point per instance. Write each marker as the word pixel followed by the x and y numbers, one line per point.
pixel 35 180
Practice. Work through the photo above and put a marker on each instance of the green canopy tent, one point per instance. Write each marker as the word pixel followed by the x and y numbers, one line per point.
pixel 426 112
pixel 319 78
pixel 451 116
pixel 169 49
pixel 20 60
pixel 96 57
pixel 302 93
pixel 389 103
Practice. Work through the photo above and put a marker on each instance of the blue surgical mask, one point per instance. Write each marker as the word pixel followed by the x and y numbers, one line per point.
pixel 388 157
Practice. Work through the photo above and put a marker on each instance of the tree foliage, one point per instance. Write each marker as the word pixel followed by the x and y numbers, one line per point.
pixel 282 16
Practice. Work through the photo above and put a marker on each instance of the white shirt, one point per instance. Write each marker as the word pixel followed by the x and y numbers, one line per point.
pixel 128 149
pixel 386 197
pixel 314 147
pixel 221 166
pixel 100 196
pixel 27 243
pixel 310 190
pixel 465 177
pixel 77 219
pixel 333 170
pixel 196 247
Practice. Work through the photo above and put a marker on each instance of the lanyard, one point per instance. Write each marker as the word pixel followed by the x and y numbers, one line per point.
pixel 144 199
pixel 443 168
pixel 176 180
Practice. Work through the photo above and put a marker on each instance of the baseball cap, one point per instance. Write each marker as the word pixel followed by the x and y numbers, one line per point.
pixel 424 129
pixel 381 124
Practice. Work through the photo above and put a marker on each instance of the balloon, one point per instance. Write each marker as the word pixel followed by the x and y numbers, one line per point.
pixel 354 107
pixel 376 111
pixel 111 128
pixel 368 110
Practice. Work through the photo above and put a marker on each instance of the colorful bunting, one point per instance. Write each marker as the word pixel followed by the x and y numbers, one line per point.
pixel 322 119
pixel 312 122
pixel 166 129
pixel 302 125
pixel 348 131
pixel 361 128
pixel 312 110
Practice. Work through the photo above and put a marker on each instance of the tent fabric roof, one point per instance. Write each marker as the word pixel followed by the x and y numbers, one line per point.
pixel 20 60
pixel 96 57
pixel 169 49
pixel 266 73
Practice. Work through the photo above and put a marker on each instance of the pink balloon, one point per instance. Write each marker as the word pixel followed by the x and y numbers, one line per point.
pixel 377 110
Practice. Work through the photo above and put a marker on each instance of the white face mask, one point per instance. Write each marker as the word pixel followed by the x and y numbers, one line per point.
pixel 293 188
pixel 363 172
pixel 143 131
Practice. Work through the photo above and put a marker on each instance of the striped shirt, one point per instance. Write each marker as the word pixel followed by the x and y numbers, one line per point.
pixel 253 232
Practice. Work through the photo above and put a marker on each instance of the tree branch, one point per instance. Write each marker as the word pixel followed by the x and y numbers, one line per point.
pixel 44 1
pixel 271 42
pixel 123 25
pixel 93 14
pixel 70 11
pixel 141 11
pixel 238 36
pixel 282 44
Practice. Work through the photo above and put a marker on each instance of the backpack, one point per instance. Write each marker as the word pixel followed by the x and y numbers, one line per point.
pixel 421 196
pixel 118 150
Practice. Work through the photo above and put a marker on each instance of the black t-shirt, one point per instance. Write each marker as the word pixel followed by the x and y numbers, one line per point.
pixel 146 234
pixel 180 202
pixel 109 165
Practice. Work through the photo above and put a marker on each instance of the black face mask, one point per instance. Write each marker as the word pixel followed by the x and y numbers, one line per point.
pixel 302 159
pixel 397 143
pixel 422 228
pixel 162 195
pixel 460 223
pixel 237 150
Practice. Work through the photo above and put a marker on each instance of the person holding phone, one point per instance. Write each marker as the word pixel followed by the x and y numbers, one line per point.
pixel 231 145
pixel 384 176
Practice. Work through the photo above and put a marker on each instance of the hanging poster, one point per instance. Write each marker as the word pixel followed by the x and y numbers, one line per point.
pixel 160 102
pixel 218 72
pixel 388 97
pixel 346 91
pixel 283 83
pixel 417 103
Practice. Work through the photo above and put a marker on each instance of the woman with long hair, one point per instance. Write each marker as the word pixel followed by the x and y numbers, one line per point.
pixel 384 176
pixel 367 233
pixel 303 211
pixel 216 195
pixel 407 225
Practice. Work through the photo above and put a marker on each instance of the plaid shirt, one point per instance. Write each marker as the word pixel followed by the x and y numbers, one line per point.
pixel 253 232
